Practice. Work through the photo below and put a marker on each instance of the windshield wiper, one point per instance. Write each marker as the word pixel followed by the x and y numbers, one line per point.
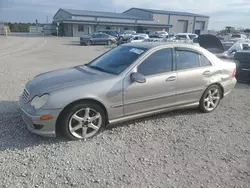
pixel 100 69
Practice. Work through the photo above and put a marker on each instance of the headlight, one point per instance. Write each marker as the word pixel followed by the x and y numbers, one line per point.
pixel 37 102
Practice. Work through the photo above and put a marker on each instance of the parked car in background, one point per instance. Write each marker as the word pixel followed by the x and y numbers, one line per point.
pixel 124 39
pixel 242 59
pixel 237 37
pixel 113 33
pixel 126 33
pixel 185 36
pixel 170 35
pixel 127 82
pixel 161 34
pixel 220 48
pixel 227 44
pixel 225 36
pixel 153 40
pixel 237 46
pixel 143 35
pixel 97 38
pixel 138 38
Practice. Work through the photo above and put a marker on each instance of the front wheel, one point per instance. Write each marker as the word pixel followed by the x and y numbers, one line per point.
pixel 82 121
pixel 210 99
pixel 109 42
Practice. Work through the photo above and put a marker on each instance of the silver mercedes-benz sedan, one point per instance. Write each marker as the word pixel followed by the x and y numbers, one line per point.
pixel 127 82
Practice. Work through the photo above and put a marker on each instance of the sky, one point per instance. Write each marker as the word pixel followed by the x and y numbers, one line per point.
pixel 222 12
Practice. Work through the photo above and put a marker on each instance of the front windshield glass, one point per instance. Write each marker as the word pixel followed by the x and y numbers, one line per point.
pixel 192 36
pixel 236 36
pixel 117 60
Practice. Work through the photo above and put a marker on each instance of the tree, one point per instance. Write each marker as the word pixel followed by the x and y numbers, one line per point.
pixel 247 30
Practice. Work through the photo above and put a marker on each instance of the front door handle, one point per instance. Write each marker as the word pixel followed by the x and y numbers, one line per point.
pixel 206 73
pixel 171 78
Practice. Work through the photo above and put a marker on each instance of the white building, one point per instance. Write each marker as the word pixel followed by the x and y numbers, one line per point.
pixel 4 29
pixel 35 29
pixel 80 22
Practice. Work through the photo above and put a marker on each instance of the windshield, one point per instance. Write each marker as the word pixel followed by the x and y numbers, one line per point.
pixel 129 32
pixel 117 60
pixel 192 36
pixel 236 36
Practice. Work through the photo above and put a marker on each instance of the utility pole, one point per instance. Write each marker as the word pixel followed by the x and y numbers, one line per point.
pixel 36 25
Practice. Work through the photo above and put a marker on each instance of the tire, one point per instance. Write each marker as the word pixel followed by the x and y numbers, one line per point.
pixel 69 121
pixel 89 42
pixel 109 42
pixel 210 99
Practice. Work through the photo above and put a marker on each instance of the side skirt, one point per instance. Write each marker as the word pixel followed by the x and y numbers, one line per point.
pixel 149 113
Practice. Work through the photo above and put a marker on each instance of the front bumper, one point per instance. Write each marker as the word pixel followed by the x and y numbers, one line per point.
pixel 35 124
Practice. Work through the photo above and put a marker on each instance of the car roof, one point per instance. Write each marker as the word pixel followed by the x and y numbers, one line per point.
pixel 185 34
pixel 150 45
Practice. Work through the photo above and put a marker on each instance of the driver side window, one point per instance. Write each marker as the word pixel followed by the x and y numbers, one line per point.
pixel 158 62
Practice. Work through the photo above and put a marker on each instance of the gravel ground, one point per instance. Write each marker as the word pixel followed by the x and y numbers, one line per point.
pixel 176 149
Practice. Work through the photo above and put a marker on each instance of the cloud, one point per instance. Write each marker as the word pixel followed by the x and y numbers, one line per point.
pixel 222 12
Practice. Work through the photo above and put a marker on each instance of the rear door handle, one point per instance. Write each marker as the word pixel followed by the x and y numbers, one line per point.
pixel 171 78
pixel 206 73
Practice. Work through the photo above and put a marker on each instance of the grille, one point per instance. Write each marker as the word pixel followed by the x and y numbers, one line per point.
pixel 25 95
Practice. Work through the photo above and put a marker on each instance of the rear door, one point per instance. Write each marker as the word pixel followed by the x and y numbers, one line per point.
pixel 194 72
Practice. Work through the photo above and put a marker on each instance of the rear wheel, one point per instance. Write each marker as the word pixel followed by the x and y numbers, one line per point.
pixel 210 99
pixel 89 42
pixel 82 121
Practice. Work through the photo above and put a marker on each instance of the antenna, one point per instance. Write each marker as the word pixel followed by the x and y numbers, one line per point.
pixel 47 19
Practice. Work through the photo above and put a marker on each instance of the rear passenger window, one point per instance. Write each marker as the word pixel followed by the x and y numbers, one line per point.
pixel 187 60
pixel 204 61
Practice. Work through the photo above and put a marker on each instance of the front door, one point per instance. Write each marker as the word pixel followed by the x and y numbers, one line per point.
pixel 97 39
pixel 159 90
pixel 194 73
pixel 103 39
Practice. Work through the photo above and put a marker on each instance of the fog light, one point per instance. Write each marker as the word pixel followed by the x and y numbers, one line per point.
pixel 46 117
pixel 38 126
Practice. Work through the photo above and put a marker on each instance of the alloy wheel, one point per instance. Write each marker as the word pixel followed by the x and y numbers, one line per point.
pixel 85 123
pixel 212 99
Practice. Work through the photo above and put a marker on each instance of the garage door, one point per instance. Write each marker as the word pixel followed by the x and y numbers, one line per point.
pixel 199 25
pixel 183 26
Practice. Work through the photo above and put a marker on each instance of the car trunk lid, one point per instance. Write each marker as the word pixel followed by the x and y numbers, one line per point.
pixel 211 43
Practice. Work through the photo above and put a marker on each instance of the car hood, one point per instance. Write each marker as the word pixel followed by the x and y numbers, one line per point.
pixel 209 41
pixel 58 79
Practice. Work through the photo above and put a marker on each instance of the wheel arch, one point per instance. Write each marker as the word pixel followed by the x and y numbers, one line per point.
pixel 219 85
pixel 80 101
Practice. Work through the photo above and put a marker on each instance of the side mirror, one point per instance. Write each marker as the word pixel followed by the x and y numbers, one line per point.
pixel 233 51
pixel 137 77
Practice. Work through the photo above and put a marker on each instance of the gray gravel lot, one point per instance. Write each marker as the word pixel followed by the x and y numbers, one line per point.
pixel 176 149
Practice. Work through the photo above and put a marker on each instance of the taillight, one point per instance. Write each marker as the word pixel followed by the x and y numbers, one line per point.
pixel 234 73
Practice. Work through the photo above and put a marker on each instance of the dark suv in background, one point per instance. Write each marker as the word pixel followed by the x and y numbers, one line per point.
pixel 243 65
pixel 113 33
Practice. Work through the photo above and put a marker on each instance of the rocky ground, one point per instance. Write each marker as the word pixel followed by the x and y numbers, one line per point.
pixel 176 149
